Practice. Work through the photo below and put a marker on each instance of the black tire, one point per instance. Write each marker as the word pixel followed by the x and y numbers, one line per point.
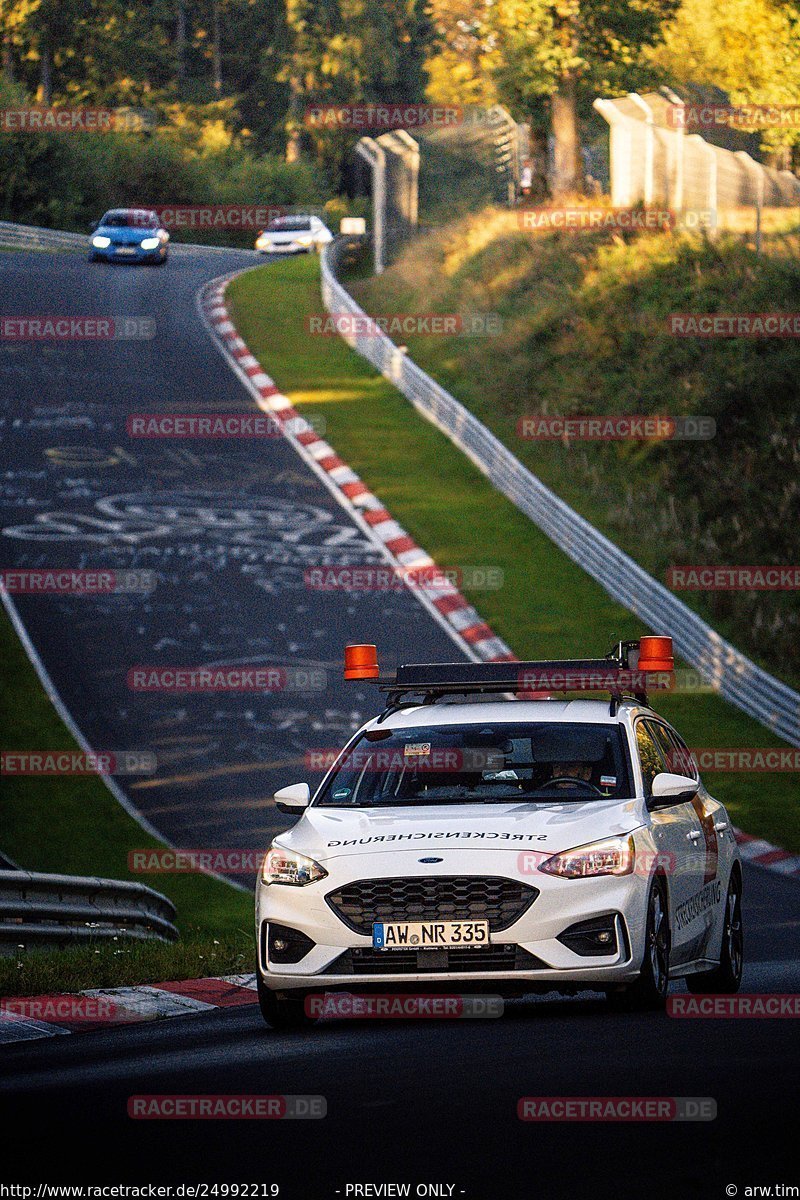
pixel 649 992
pixel 726 978
pixel 281 1011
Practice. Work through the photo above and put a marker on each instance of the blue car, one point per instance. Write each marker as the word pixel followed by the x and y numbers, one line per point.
pixel 129 235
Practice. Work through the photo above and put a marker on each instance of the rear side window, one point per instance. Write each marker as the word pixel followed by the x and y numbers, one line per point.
pixel 679 758
pixel 649 756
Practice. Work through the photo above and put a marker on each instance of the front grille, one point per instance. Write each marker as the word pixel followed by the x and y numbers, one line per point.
pixel 506 958
pixel 499 901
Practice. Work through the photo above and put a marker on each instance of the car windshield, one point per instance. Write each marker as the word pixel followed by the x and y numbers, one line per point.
pixel 484 763
pixel 290 225
pixel 123 218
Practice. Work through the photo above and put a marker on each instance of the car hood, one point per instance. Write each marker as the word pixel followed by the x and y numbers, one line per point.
pixel 326 833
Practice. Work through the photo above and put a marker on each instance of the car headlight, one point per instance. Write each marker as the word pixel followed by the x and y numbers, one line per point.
pixel 304 241
pixel 287 866
pixel 611 856
pixel 101 242
pixel 151 243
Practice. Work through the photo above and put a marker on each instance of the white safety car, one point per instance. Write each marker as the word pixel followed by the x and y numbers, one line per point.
pixel 293 235
pixel 509 845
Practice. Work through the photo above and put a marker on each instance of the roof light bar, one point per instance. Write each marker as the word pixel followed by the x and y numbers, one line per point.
pixel 631 667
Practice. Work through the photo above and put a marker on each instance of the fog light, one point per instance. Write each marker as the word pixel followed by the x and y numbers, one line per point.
pixel 280 944
pixel 595 936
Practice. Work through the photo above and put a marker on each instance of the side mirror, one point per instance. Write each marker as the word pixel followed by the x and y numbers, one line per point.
pixel 93 226
pixel 672 789
pixel 294 798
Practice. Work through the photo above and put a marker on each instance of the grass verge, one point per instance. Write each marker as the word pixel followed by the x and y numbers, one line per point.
pixel 42 972
pixel 547 607
pixel 73 825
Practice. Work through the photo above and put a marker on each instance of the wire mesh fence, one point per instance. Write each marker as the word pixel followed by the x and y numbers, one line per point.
pixel 444 171
pixel 656 161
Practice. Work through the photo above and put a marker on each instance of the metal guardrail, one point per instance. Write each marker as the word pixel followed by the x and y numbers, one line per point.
pixel 32 237
pixel 48 910
pixel 729 672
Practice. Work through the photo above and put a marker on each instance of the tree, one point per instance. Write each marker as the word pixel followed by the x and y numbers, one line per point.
pixel 350 52
pixel 566 52
pixel 749 49
pixel 460 68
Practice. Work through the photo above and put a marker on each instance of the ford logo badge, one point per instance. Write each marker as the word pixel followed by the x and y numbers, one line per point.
pixel 427 860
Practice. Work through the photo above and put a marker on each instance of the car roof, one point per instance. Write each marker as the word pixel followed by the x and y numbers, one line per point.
pixel 581 712
pixel 130 212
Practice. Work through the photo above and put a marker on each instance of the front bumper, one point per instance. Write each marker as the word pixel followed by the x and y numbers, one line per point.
pixel 121 254
pixel 544 960
pixel 283 248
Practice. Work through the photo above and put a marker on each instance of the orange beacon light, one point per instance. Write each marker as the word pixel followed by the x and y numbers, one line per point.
pixel 361 662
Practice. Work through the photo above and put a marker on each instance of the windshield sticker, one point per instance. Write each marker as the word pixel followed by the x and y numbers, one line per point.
pixel 405 837
pixel 417 749
pixel 341 793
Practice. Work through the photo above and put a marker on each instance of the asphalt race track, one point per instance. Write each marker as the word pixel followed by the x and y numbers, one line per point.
pixel 415 1102
pixel 431 1101
pixel 229 525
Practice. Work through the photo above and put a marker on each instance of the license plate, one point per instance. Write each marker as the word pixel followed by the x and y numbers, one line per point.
pixel 427 935
pixel 125 250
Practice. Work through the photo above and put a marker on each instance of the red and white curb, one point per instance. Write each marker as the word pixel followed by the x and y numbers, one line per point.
pixel 29 1018
pixel 460 619
pixel 764 854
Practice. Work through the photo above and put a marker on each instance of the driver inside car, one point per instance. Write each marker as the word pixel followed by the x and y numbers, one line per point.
pixel 564 773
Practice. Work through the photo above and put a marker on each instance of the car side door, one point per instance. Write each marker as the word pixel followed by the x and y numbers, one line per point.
pixel 678 838
pixel 717 846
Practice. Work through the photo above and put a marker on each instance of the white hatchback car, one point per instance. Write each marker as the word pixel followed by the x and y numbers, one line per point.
pixel 293 235
pixel 510 846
